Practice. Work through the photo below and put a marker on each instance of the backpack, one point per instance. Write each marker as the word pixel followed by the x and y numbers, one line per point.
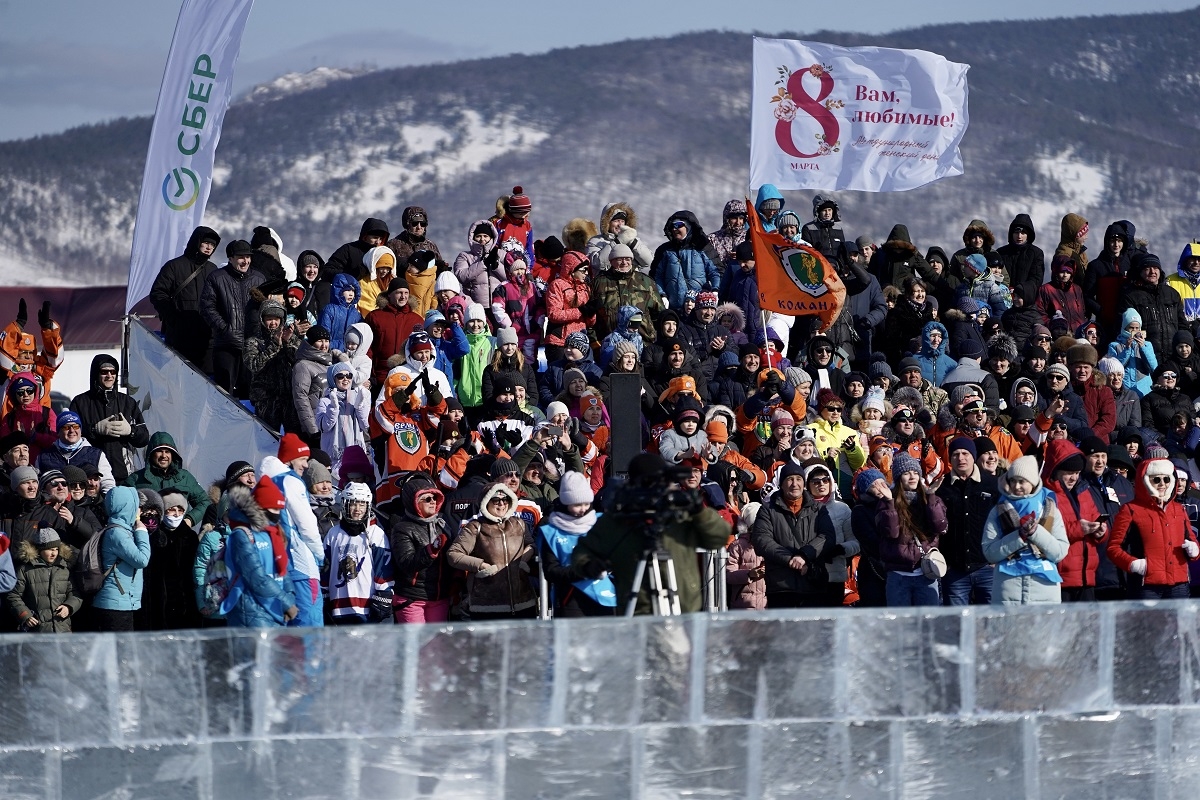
pixel 219 579
pixel 92 573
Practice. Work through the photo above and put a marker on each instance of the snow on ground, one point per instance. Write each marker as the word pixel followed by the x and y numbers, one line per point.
pixel 435 155
pixel 1083 185
pixel 299 82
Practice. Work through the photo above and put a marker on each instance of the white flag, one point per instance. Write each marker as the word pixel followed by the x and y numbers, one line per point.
pixel 871 119
pixel 195 92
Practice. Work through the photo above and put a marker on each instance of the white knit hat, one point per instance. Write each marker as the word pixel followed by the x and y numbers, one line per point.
pixel 575 489
pixel 1026 468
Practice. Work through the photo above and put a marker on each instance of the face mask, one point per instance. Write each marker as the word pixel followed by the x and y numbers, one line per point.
pixel 172 522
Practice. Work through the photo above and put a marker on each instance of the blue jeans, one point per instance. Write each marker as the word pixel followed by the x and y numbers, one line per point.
pixel 1179 591
pixel 911 590
pixel 966 587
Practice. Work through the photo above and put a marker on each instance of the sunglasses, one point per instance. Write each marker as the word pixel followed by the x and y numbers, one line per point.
pixel 677 225
pixel 344 376
pixel 1160 480
pixel 24 392
pixel 418 223
pixel 108 372
pixel 838 409
pixel 76 485
pixel 1169 376
pixel 1058 426
pixel 57 484
pixel 823 350
pixel 819 479
pixel 1059 378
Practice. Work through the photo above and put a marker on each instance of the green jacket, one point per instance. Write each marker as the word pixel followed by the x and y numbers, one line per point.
pixel 611 290
pixel 615 541
pixel 174 477
pixel 43 587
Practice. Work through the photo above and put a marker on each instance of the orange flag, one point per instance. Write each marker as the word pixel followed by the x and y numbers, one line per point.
pixel 794 278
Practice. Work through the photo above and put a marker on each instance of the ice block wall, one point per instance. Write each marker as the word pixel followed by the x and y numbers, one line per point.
pixel 1072 701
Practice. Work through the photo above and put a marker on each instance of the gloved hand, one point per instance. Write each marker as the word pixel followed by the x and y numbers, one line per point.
pixel 1029 524
pixel 589 308
pixel 1190 548
pixel 487 571
pixel 580 441
pixel 627 237
pixel 745 477
pixel 771 385
pixel 22 314
pixel 434 547
pixel 594 568
pixel 433 395
pixel 1138 567
pixel 400 397
pixel 1010 520
pixel 44 315
pixel 115 426
pixel 381 607
pixel 848 443
pixel 509 437
pixel 524 566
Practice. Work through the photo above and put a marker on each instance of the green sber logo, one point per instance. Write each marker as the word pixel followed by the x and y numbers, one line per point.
pixel 180 189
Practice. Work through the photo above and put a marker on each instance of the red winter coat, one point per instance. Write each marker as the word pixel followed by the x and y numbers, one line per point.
pixel 1154 532
pixel 391 329
pixel 1100 406
pixel 564 296
pixel 1078 569
pixel 1069 301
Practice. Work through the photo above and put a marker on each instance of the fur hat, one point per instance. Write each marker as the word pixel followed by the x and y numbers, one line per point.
pixel 1082 354
pixel 174 497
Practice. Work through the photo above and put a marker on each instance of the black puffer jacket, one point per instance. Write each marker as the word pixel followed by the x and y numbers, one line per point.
pixel 1160 307
pixel 418 548
pixel 224 302
pixel 898 259
pixel 1161 404
pixel 1025 264
pixel 349 257
pixel 98 404
pixel 779 535
pixel 175 298
pixel 967 505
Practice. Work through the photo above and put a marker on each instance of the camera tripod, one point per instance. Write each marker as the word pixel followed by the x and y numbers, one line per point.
pixel 656 562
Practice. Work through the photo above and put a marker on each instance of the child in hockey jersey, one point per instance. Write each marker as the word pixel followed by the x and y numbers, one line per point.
pixel 358 562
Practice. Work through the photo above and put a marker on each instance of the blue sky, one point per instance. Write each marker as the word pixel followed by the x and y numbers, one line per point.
pixel 72 62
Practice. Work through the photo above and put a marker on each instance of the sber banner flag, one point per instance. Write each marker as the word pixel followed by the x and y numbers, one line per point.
pixel 793 278
pixel 195 92
pixel 872 119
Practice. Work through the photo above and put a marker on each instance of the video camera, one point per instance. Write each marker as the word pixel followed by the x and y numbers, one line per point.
pixel 656 504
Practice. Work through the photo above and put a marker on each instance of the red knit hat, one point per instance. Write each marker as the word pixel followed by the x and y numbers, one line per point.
pixel 292 447
pixel 518 201
pixel 267 494
pixel 827 396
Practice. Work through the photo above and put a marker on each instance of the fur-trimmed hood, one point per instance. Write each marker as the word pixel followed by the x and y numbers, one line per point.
pixel 735 311
pixel 492 491
pixel 475 247
pixel 899 240
pixel 725 413
pixel 242 508
pixel 577 232
pixel 979 226
pixel 631 220
pixel 26 552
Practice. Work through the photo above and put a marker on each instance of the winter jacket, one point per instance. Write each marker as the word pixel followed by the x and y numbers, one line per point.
pixel 682 267
pixel 98 404
pixel 967 502
pixel 524 375
pixel 338 316
pixel 519 305
pixel 975 226
pixel 1098 404
pixel 779 534
pixel 898 259
pixel 419 567
pixel 308 384
pixel 349 257
pixel 904 323
pixel 725 241
pixel 612 290
pixel 600 246
pixel 899 548
pixel 342 417
pixel 126 547
pixel 391 328
pixel 478 267
pixel 1161 310
pixel 970 371
pixel 1139 362
pixel 36 424
pixel 270 362
pixel 1161 404
pixel 175 294
pixel 405 243
pixel 1078 568
pixel 743 592
pixel 1105 277
pixel 174 477
pixel 768 192
pixel 998 546
pixel 1068 241
pixel 564 297
pixel 263 592
pixel 1025 264
pixel 1150 530
pixel 1128 410
pixel 41 588
pixel 1187 286
pixel 59 456
pixel 224 303
pixel 827 237
pixel 739 289
pixel 506 544
pixel 1054 300
pixel 168 587
pixel 550 381
pixel 1109 493
pixel 935 363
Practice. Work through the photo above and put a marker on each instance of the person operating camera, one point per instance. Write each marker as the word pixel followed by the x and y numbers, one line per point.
pixel 616 544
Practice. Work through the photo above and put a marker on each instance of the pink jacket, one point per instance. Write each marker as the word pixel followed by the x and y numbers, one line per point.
pixel 744 593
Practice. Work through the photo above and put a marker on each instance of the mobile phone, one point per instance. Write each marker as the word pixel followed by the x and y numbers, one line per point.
pixel 554 431
pixel 1102 518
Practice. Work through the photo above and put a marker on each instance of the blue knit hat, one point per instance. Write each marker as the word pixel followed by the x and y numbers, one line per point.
pixel 968 305
pixel 977 262
pixel 864 480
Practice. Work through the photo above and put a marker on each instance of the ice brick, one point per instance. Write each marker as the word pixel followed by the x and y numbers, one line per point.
pixel 284 769
pixel 230 673
pixel 665 677
pixel 453 766
pixel 604 664
pixel 30 775
pixel 903 665
pixel 1108 755
pixel 802 759
pixel 153 772
pixel 460 677
pixel 65 694
pixel 870 772
pixel 1039 659
pixel 530 675
pixel 1184 756
pixel 694 762
pixel 332 681
pixel 967 759
pixel 568 765
pixel 1147 652
pixel 793 656
pixel 161 677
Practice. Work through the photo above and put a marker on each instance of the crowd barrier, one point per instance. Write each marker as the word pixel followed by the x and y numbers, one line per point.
pixel 1087 700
